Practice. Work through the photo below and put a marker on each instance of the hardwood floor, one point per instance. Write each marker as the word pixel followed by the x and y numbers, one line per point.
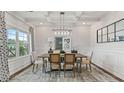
pixel 96 75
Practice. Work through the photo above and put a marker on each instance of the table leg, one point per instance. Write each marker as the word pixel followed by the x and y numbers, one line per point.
pixel 77 65
pixel 44 65
pixel 80 64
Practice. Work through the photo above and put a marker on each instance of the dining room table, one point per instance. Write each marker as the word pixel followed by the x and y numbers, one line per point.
pixel 78 57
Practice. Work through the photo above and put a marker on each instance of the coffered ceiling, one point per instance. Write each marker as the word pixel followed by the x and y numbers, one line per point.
pixel 54 18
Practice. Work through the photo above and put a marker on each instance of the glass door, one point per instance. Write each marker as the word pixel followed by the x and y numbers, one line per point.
pixel 58 43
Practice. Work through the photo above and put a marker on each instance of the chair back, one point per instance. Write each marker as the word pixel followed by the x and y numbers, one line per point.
pixel 69 58
pixel 54 58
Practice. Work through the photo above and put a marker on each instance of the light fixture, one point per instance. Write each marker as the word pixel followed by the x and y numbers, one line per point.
pixel 59 33
pixel 67 32
pixel 55 33
pixel 41 23
pixel 64 33
pixel 62 30
pixel 84 23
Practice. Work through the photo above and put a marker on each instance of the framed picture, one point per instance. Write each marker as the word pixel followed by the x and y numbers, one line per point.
pixel 67 43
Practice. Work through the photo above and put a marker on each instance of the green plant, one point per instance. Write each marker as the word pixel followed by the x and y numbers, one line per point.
pixel 22 50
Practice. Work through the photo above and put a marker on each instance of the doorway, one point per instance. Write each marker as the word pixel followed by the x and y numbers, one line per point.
pixel 58 43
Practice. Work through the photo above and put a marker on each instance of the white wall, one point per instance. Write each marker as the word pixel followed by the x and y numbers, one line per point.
pixel 79 38
pixel 41 39
pixel 109 56
pixel 19 63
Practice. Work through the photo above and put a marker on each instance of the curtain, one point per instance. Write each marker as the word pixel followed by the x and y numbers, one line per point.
pixel 31 30
pixel 4 69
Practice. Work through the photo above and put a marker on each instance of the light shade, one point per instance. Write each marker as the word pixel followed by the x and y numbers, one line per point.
pixel 63 33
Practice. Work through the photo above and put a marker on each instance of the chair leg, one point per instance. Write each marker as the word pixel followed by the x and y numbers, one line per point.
pixel 74 71
pixel 80 73
pixel 43 68
pixel 46 63
pixel 90 67
pixel 77 65
pixel 64 70
pixel 37 66
pixel 86 67
pixel 50 70
pixel 33 67
pixel 59 70
pixel 80 67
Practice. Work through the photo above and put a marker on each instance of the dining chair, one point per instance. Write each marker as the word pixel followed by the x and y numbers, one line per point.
pixel 55 62
pixel 36 61
pixel 69 60
pixel 87 61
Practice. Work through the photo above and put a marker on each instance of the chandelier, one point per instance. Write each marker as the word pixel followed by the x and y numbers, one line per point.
pixel 62 30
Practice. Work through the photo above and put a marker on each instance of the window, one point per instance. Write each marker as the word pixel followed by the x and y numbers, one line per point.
pixel 111 33
pixel 18 44
pixel 11 34
pixel 23 44
pixel 99 34
pixel 120 31
pixel 104 34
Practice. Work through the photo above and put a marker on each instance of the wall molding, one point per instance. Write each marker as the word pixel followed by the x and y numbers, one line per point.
pixel 114 76
pixel 20 71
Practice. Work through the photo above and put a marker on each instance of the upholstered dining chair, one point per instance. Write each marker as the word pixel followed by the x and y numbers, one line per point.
pixel 35 60
pixel 69 60
pixel 87 61
pixel 55 62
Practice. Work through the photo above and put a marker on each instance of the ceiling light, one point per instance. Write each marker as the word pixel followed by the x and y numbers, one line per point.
pixel 55 33
pixel 58 33
pixel 64 33
pixel 41 23
pixel 84 23
pixel 67 32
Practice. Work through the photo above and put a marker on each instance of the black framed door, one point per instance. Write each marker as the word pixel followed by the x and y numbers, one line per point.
pixel 58 43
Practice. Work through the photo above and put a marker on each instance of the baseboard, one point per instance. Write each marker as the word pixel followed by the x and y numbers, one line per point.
pixel 114 76
pixel 20 71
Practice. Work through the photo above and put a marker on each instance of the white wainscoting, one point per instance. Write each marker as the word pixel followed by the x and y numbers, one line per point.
pixel 18 64
pixel 110 58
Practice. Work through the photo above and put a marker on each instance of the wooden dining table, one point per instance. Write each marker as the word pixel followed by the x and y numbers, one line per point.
pixel 78 56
